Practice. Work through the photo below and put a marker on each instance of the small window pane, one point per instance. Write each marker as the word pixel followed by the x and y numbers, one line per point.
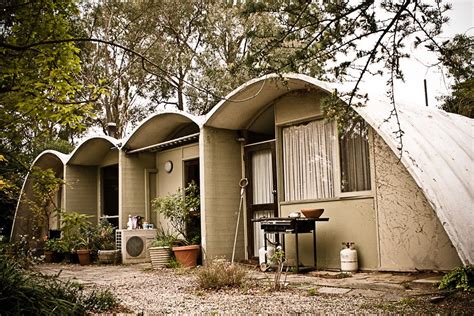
pixel 354 155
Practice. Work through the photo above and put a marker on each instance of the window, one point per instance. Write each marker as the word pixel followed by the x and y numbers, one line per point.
pixel 354 158
pixel 310 163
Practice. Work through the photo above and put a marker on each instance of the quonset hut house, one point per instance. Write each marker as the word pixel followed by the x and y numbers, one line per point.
pixel 404 213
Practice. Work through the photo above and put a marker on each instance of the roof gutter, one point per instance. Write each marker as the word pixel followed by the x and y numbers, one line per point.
pixel 170 143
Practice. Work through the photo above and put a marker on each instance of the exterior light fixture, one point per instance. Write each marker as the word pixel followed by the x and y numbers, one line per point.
pixel 168 166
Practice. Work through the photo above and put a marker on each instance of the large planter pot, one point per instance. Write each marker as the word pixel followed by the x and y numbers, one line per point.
pixel 108 256
pixel 187 255
pixel 58 257
pixel 160 256
pixel 48 256
pixel 71 257
pixel 84 256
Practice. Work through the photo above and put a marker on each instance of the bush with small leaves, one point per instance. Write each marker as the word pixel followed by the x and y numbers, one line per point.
pixel 219 274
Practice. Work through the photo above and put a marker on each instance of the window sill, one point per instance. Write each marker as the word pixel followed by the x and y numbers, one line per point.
pixel 341 198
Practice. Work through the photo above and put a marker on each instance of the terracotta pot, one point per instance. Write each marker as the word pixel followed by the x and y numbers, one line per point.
pixel 84 256
pixel 187 255
pixel 160 257
pixel 108 256
pixel 48 256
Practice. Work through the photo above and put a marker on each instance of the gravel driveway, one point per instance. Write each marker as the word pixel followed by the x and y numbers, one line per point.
pixel 168 291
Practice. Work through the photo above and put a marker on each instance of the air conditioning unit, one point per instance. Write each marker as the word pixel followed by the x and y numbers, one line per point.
pixel 134 244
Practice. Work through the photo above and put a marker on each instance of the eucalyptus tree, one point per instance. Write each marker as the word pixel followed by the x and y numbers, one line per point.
pixel 457 55
pixel 126 82
pixel 41 99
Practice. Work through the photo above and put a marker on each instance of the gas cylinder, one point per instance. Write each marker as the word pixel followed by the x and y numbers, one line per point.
pixel 265 254
pixel 349 261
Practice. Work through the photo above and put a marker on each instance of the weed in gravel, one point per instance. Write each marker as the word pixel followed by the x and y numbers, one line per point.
pixel 312 292
pixel 459 278
pixel 219 274
pixel 343 275
pixel 173 263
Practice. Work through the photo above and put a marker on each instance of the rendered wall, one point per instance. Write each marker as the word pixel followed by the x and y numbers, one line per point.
pixel 80 191
pixel 111 158
pixel 349 220
pixel 221 172
pixel 132 184
pixel 411 235
pixel 297 106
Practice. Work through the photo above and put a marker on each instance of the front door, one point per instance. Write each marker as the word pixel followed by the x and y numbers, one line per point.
pixel 261 195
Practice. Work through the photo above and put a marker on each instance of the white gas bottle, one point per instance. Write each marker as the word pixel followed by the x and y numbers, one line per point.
pixel 265 254
pixel 349 261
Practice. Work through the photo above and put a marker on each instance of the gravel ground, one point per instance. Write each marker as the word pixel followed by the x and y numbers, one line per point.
pixel 176 292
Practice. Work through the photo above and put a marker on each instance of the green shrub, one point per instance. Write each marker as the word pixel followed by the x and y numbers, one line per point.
pixel 219 274
pixel 26 293
pixel 173 263
pixel 459 278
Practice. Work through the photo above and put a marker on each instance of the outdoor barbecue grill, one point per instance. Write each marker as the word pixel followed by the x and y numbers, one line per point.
pixel 290 225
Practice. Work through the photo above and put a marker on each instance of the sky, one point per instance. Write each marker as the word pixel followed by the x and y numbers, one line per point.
pixel 411 92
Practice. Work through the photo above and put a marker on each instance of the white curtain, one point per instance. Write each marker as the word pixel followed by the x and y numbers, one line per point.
pixel 262 177
pixel 262 187
pixel 308 161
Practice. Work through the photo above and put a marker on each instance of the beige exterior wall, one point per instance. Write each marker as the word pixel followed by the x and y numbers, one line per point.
pixel 349 220
pixel 111 158
pixel 297 106
pixel 80 191
pixel 132 184
pixel 221 172
pixel 169 183
pixel 411 235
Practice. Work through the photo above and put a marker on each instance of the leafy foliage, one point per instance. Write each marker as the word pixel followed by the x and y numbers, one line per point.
pixel 218 274
pixel 460 278
pixel 178 208
pixel 41 99
pixel 164 239
pixel 456 56
pixel 43 204
pixel 76 230
pixel 102 237
pixel 26 293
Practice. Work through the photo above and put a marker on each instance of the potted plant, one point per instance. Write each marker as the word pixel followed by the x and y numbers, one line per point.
pixel 54 250
pixel 180 208
pixel 104 242
pixel 82 248
pixel 160 249
pixel 75 233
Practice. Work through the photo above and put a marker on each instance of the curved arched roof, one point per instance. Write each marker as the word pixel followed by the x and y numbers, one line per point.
pixel 438 153
pixel 247 101
pixel 48 159
pixel 159 127
pixel 437 146
pixel 92 150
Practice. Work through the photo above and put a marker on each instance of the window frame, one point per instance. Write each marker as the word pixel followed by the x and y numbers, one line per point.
pixel 338 194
